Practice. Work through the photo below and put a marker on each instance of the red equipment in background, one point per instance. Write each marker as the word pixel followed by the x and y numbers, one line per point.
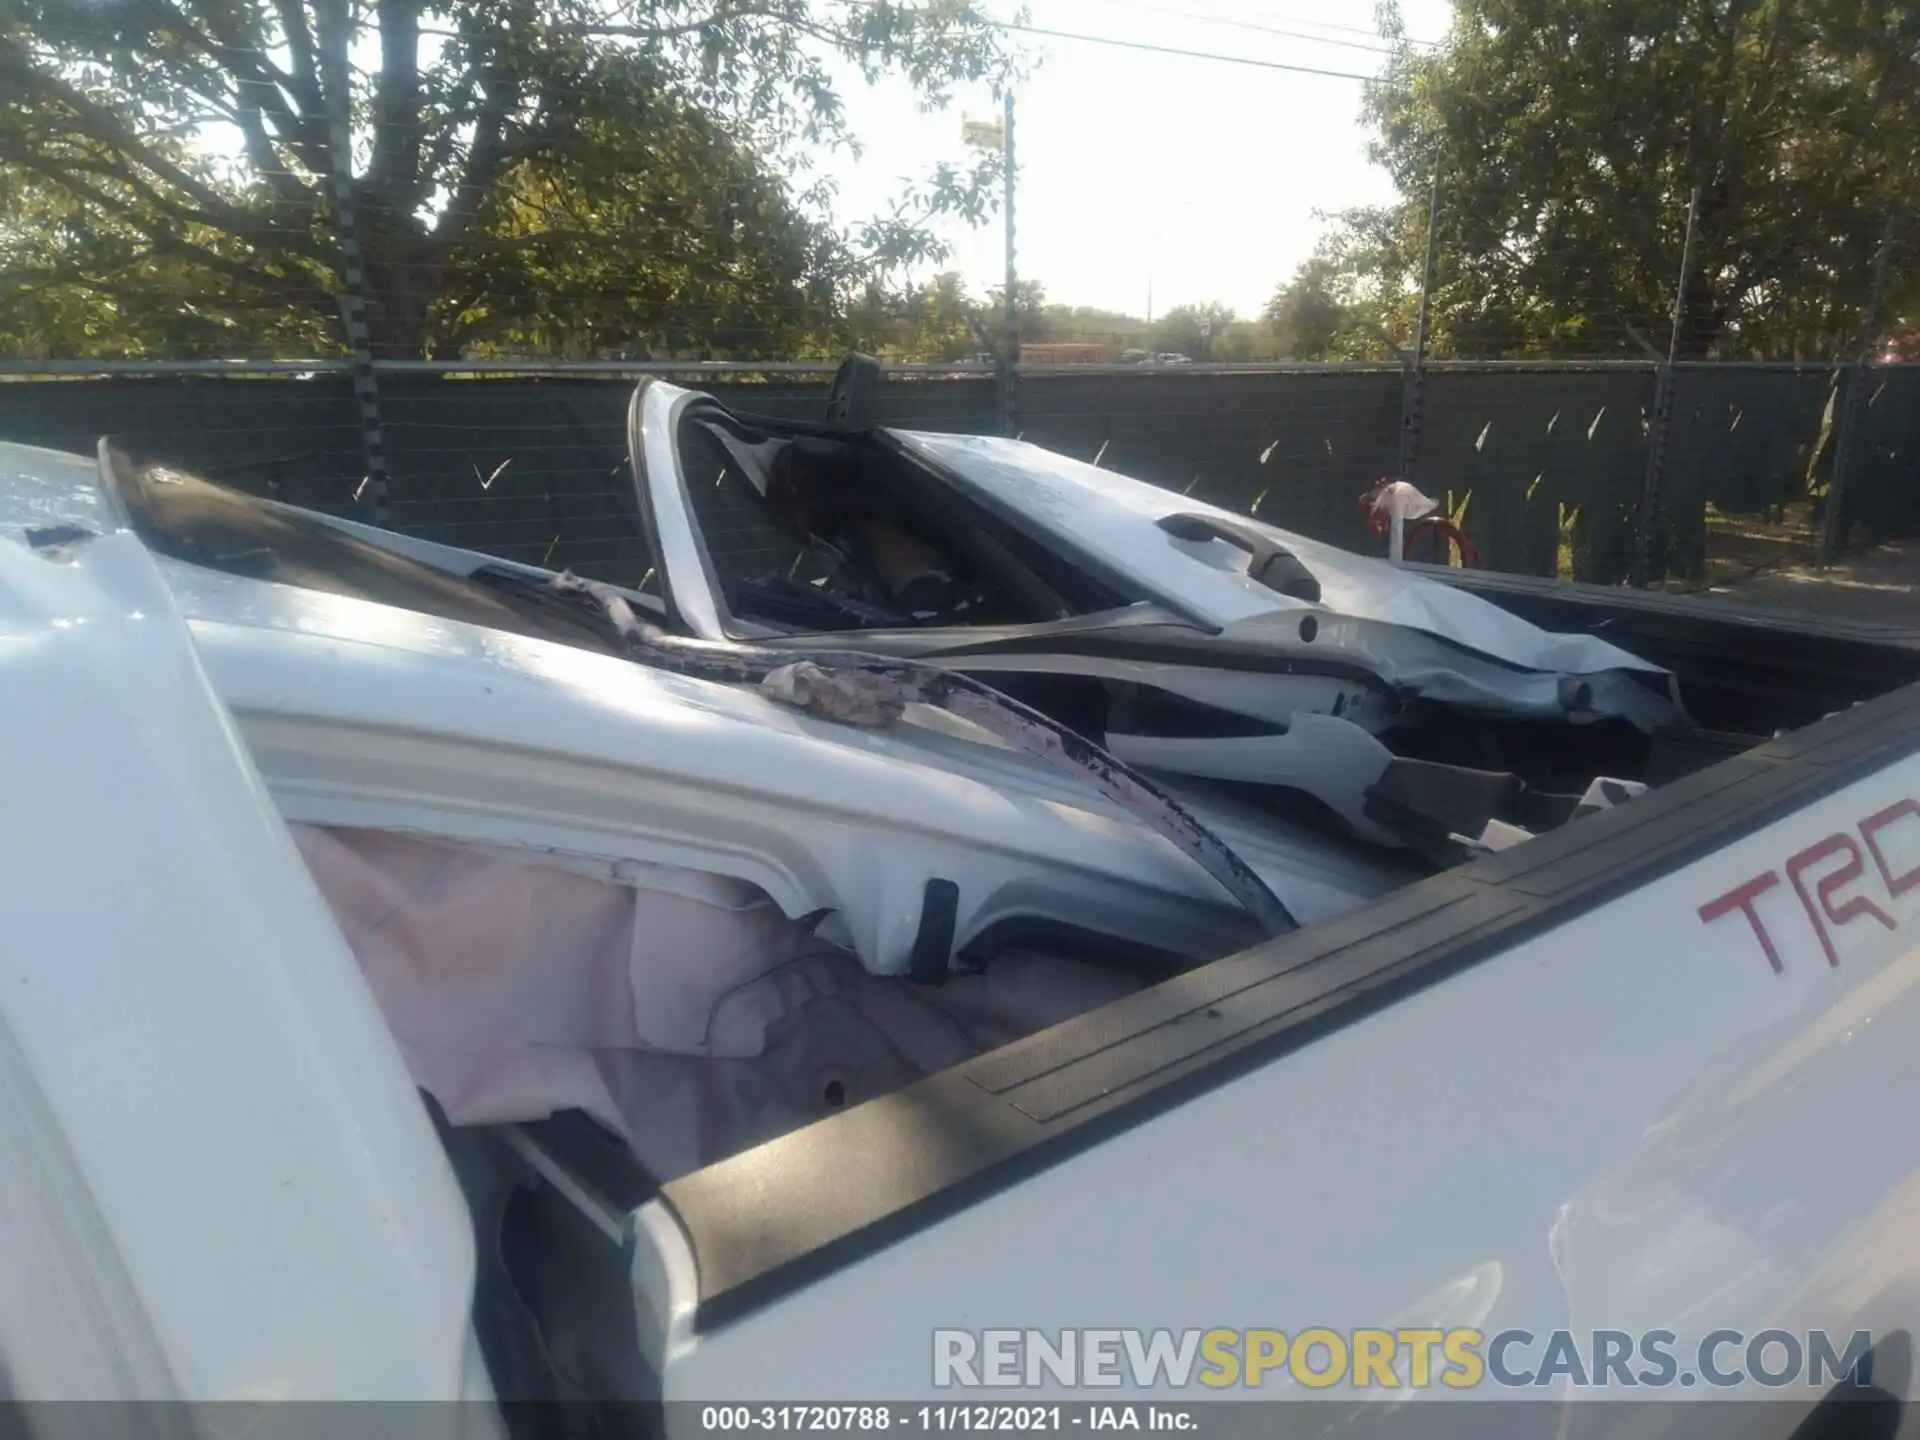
pixel 1437 529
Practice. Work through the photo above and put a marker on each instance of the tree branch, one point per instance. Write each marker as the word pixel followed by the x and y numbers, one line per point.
pixel 259 88
pixel 113 167
pixel 60 169
pixel 304 82
pixel 395 166
pixel 487 157
pixel 267 162
pixel 109 130
pixel 440 150
pixel 124 287
pixel 721 16
pixel 165 241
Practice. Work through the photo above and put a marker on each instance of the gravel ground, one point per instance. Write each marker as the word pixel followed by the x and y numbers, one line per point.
pixel 1771 566
pixel 1878 586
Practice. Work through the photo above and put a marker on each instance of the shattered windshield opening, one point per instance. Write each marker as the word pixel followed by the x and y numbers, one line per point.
pixel 838 533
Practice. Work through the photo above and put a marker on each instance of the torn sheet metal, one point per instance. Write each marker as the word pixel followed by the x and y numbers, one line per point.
pixel 501 739
pixel 1332 760
pixel 1605 793
pixel 1362 671
pixel 1602 794
pixel 1270 695
pixel 1117 518
pixel 1414 662
pixel 852 698
pixel 867 685
pixel 1417 636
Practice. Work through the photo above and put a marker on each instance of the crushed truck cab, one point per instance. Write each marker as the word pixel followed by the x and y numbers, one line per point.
pixel 428 977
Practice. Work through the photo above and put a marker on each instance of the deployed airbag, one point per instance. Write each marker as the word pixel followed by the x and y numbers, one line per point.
pixel 693 1025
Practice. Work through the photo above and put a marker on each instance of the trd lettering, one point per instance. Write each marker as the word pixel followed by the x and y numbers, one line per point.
pixel 1825 887
pixel 1741 898
pixel 1897 885
pixel 1819 883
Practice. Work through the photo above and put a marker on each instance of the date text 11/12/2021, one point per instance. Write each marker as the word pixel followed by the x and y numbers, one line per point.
pixel 944 1419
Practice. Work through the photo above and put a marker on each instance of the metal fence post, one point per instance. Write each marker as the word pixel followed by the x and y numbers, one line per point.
pixel 1649 530
pixel 1853 408
pixel 1010 337
pixel 335 24
pixel 1413 392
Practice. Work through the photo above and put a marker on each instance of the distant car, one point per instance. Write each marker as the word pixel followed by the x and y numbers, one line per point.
pixel 1169 358
pixel 1135 357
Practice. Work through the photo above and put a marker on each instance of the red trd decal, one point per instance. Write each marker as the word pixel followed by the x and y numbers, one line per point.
pixel 1897 885
pixel 1825 886
pixel 1826 908
pixel 1742 899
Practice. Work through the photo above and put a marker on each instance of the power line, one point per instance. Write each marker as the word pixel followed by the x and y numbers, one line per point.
pixel 1145 46
pixel 1335 25
pixel 1172 50
pixel 1375 48
pixel 1273 30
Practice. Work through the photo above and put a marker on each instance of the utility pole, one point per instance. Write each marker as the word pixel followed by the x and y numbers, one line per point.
pixel 1651 526
pixel 1853 408
pixel 1413 385
pixel 1010 338
pixel 334 23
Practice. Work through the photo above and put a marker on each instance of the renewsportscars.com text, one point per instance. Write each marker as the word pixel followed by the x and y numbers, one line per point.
pixel 1458 1359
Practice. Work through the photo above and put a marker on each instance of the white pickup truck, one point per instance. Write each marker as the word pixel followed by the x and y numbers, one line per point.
pixel 1073 910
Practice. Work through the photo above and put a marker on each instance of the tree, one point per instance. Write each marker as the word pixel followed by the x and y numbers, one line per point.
pixel 1188 329
pixel 512 159
pixel 929 321
pixel 1306 314
pixel 1089 325
pixel 705 255
pixel 1030 309
pixel 61 290
pixel 1571 134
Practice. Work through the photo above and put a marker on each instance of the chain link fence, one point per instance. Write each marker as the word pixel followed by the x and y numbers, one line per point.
pixel 1545 466
pixel 1613 342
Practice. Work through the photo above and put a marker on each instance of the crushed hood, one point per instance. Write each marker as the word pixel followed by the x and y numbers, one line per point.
pixel 1083 506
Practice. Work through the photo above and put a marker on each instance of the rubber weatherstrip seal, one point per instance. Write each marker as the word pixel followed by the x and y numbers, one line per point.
pixel 770 1220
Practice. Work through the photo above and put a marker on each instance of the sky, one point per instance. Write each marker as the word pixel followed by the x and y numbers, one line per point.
pixel 1146 180
pixel 1150 178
